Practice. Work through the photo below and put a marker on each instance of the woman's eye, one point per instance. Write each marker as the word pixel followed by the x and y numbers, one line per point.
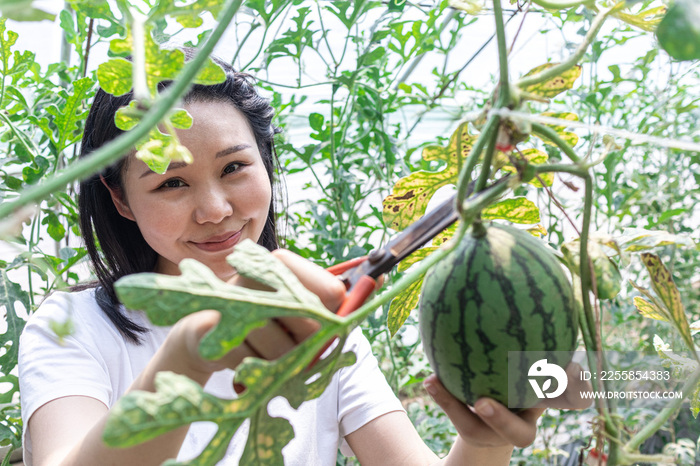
pixel 173 183
pixel 232 167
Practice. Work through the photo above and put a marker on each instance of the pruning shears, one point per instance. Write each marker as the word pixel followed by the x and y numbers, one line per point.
pixel 360 275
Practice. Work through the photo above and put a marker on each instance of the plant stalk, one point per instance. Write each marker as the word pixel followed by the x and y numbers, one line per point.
pixel 503 85
pixel 465 174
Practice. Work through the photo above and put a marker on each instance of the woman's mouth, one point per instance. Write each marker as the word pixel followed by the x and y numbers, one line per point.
pixel 219 242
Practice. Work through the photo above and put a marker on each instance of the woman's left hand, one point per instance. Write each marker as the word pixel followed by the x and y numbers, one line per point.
pixel 490 424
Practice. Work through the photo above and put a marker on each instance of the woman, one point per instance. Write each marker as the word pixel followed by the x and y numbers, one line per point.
pixel 147 222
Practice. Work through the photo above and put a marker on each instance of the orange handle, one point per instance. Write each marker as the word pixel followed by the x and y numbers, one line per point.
pixel 362 289
pixel 343 267
pixel 357 296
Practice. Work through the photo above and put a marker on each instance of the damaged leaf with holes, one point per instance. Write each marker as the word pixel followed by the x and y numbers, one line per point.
pixel 141 416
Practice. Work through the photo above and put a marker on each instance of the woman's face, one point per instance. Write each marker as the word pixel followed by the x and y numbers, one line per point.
pixel 203 209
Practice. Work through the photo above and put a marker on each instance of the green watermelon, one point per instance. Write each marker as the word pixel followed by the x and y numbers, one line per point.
pixel 499 290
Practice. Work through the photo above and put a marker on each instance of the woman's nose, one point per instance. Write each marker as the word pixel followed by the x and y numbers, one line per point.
pixel 212 205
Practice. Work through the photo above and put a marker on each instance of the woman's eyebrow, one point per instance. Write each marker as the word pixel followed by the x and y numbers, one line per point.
pixel 221 153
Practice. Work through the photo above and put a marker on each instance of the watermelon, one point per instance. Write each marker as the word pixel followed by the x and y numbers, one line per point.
pixel 499 290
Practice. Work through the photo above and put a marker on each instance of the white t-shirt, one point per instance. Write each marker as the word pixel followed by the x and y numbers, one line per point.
pixel 96 361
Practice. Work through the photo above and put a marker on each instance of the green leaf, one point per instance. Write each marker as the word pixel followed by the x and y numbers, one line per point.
pixel 553 86
pixel 649 309
pixel 114 76
pixel 11 295
pixel 411 194
pixel 516 210
pixel 6 44
pixel 679 30
pixel 396 5
pixel 140 416
pixel 181 119
pixel 665 288
pixel 72 112
pixel 54 228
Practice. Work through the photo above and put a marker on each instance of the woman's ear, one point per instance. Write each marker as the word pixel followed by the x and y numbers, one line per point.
pixel 119 201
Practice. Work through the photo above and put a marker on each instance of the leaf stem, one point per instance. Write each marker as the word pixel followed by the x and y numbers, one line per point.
pixel 114 150
pixel 138 31
pixel 655 424
pixel 574 58
pixel 552 135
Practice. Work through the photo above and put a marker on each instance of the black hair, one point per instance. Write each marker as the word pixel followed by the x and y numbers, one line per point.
pixel 115 244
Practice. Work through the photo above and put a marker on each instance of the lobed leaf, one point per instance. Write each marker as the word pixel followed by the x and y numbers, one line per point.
pixel 11 296
pixel 178 401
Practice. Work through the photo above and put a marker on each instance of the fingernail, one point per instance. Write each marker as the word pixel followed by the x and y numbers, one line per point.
pixel 430 388
pixel 484 408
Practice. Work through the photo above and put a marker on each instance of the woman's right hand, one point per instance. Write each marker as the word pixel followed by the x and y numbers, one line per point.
pixel 273 340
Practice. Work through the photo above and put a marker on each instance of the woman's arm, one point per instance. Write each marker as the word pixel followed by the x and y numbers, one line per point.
pixel 68 431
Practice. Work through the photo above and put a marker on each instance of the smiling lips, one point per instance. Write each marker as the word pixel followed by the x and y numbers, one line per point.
pixel 219 242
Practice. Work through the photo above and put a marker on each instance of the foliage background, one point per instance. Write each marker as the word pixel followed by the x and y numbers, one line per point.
pixel 361 88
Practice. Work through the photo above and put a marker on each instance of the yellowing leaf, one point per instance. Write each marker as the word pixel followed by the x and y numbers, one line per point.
pixel 411 194
pixel 647 20
pixel 527 156
pixel 516 210
pixel 648 309
pixel 665 288
pixel 553 86
pixel 402 305
pixel 568 137
pixel 537 230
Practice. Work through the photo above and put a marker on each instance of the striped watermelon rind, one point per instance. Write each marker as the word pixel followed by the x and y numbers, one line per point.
pixel 495 292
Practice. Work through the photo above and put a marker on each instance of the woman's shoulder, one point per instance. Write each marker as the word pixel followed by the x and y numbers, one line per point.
pixel 77 311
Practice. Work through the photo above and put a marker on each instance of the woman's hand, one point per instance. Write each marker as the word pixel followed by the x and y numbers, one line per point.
pixel 276 338
pixel 490 425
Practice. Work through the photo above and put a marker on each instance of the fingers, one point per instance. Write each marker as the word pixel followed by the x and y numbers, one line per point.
pixel 490 424
pixel 316 279
pixel 571 398
pixel 298 327
pixel 270 341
